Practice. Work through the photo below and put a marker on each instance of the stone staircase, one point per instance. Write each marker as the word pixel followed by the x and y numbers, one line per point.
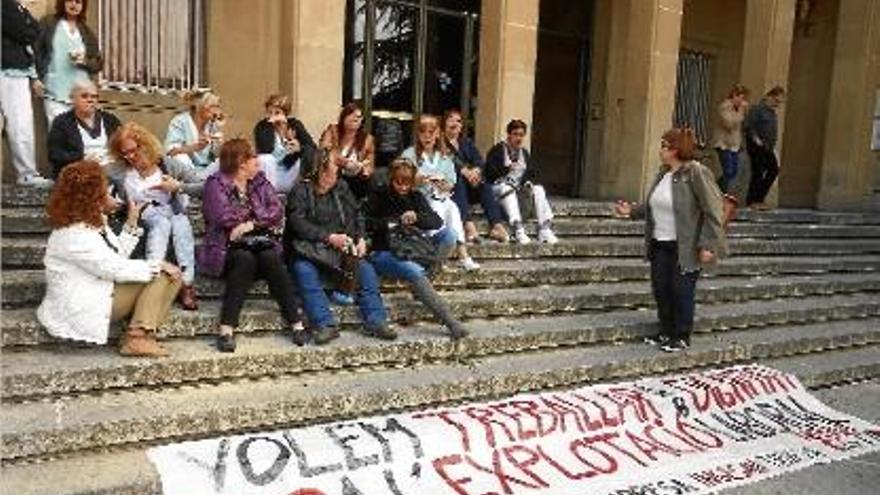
pixel 801 293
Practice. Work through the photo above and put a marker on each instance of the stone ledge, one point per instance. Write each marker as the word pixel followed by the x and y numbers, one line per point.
pixel 22 288
pixel 20 327
pixel 68 425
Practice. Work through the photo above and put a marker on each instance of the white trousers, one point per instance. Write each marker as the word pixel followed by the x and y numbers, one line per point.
pixel 282 178
pixel 448 211
pixel 53 109
pixel 510 204
pixel 161 225
pixel 18 120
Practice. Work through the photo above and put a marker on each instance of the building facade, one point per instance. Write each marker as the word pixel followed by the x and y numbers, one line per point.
pixel 598 80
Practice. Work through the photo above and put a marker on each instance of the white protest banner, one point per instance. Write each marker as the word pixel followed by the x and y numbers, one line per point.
pixel 686 434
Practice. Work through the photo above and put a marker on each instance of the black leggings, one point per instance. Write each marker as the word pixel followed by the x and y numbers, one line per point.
pixel 674 291
pixel 242 268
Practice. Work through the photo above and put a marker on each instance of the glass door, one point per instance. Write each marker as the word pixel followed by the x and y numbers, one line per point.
pixel 408 57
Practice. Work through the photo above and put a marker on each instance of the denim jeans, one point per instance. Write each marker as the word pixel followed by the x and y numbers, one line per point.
pixel 729 167
pixel 390 266
pixel 465 195
pixel 674 291
pixel 310 281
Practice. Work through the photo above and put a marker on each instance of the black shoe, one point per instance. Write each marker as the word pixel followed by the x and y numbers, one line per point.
pixel 658 339
pixel 383 332
pixel 300 334
pixel 226 343
pixel 324 335
pixel 675 345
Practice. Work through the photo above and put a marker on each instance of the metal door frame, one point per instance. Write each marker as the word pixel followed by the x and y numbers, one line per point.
pixel 470 20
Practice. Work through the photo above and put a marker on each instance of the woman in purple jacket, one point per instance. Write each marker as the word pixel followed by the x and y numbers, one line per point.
pixel 244 218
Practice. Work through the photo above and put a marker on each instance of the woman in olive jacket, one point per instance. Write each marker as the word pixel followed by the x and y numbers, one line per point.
pixel 683 232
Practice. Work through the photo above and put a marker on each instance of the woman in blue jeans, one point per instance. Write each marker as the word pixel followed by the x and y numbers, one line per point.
pixel 400 204
pixel 322 210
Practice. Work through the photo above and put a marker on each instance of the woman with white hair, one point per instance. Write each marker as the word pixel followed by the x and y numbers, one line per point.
pixel 193 138
pixel 81 132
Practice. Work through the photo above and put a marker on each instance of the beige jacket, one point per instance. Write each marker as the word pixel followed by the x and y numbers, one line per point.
pixel 728 130
pixel 696 202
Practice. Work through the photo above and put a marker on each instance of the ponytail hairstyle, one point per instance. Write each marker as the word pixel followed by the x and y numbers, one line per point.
pixel 683 141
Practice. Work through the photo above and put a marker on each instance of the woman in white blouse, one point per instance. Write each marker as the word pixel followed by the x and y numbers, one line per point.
pixel 90 280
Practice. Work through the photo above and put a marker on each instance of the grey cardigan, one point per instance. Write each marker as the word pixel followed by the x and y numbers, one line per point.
pixel 696 202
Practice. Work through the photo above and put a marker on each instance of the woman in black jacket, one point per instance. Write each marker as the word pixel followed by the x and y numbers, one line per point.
pixel 66 55
pixel 82 132
pixel 397 206
pixel 323 221
pixel 283 144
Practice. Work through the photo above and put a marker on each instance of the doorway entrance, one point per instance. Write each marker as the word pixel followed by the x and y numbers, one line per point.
pixel 561 86
pixel 409 57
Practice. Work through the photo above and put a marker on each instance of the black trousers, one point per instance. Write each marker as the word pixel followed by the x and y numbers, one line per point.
pixel 242 268
pixel 674 292
pixel 765 168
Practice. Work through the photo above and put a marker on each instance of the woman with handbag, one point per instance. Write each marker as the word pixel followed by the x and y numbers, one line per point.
pixel 409 240
pixel 243 217
pixel 683 232
pixel 436 180
pixel 324 237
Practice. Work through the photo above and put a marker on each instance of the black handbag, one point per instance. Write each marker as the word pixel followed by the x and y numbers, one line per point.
pixel 260 239
pixel 412 244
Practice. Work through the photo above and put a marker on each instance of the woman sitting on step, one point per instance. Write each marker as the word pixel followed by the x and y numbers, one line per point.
pixel 436 179
pixel 151 179
pixel 679 240
pixel 90 280
pixel 400 207
pixel 243 219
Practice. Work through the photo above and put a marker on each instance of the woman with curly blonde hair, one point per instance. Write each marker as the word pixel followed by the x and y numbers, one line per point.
pixel 90 280
pixel 152 182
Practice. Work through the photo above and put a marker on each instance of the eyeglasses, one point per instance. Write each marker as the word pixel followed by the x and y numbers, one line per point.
pixel 89 96
pixel 129 152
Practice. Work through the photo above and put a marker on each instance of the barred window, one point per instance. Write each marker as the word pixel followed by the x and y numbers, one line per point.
pixel 152 45
pixel 693 92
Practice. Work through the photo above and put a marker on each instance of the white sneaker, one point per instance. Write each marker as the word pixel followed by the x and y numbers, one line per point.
pixel 521 236
pixel 547 236
pixel 469 264
pixel 34 181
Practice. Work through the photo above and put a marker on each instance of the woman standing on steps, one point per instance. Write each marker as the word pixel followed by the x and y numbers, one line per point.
pixel 683 232
pixel 90 280
pixel 243 221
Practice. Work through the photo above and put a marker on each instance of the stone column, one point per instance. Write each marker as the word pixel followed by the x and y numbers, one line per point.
pixel 508 50
pixel 640 92
pixel 848 163
pixel 312 54
pixel 767 54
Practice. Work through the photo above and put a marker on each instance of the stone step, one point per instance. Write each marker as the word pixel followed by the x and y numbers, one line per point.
pixel 28 252
pixel 19 197
pixel 20 327
pixel 22 288
pixel 128 471
pixel 40 372
pixel 70 424
pixel 25 221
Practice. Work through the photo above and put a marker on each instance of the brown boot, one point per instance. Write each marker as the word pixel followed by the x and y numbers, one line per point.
pixel 187 298
pixel 499 233
pixel 470 232
pixel 141 342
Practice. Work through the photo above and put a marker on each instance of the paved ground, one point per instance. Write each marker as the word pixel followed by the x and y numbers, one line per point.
pixel 858 476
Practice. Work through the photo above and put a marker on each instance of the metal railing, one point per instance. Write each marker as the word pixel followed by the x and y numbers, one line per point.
pixel 152 45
